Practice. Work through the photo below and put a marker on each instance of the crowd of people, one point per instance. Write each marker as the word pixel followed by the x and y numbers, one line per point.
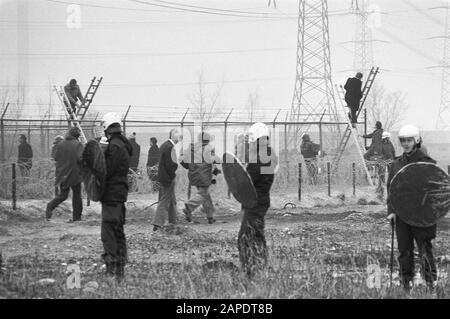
pixel 112 158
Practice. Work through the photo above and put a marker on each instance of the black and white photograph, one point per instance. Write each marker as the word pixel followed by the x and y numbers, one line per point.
pixel 229 157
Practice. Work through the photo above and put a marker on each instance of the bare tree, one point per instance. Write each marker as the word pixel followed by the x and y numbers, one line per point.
pixel 205 103
pixel 16 96
pixel 387 107
pixel 252 103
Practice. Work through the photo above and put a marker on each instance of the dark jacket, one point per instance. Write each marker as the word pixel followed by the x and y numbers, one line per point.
pixel 73 93
pixel 117 159
pixel 309 149
pixel 375 146
pixel 68 154
pixel 387 150
pixel 262 175
pixel 94 170
pixel 25 153
pixel 199 160
pixel 167 164
pixel 153 156
pixel 416 156
pixel 136 152
pixel 353 92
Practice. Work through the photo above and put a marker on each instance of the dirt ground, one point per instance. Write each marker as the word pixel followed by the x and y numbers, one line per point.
pixel 339 231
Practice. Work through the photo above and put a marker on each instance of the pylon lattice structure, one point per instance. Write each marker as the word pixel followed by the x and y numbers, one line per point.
pixel 313 98
pixel 363 50
pixel 443 120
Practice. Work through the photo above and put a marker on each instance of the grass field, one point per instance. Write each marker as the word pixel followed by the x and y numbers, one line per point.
pixel 319 249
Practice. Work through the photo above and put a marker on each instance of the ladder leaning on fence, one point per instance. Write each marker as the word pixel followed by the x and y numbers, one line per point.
pixel 348 131
pixel 72 117
pixel 89 96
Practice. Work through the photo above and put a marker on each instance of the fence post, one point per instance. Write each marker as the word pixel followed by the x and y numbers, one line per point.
pixel 320 133
pixel 225 143
pixel 2 133
pixel 14 198
pixel 299 181
pixel 354 178
pixel 2 145
pixel 182 149
pixel 124 123
pixel 365 126
pixel 189 191
pixel 329 178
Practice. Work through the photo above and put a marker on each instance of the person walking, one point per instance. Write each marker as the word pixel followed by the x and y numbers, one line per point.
pixel 168 164
pixel 199 160
pixel 68 160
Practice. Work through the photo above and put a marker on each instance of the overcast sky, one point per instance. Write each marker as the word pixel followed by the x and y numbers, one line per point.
pixel 151 56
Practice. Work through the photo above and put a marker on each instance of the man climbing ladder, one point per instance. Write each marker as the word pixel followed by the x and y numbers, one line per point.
pixel 348 131
pixel 68 95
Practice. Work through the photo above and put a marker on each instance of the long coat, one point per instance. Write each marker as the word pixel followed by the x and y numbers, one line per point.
pixel 134 159
pixel 68 157
pixel 353 92
pixel 25 154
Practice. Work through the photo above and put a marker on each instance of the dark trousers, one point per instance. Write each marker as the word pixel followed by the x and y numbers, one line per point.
pixel 251 240
pixel 61 196
pixel 167 206
pixel 354 106
pixel 113 237
pixel 353 111
pixel 406 235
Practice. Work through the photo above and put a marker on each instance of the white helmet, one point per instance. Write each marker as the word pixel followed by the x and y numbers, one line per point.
pixel 257 130
pixel 385 135
pixel 409 131
pixel 109 119
pixel 104 140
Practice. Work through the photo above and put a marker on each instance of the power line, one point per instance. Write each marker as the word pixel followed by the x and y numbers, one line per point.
pixel 128 85
pixel 143 54
pixel 105 7
pixel 208 10
pixel 203 8
pixel 45 23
